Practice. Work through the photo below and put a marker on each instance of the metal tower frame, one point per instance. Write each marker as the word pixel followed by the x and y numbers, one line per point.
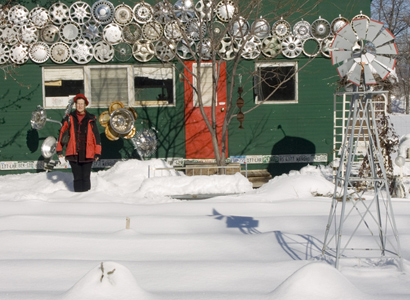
pixel 362 224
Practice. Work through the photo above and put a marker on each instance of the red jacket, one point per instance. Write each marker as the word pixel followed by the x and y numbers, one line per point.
pixel 93 147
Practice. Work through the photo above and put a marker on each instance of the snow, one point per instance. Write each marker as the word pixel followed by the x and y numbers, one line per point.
pixel 248 244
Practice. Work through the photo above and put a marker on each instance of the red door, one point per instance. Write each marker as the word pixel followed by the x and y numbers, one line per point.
pixel 198 142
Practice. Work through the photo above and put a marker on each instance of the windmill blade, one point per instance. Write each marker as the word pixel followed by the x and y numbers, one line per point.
pixel 381 70
pixel 341 43
pixel 368 75
pixel 373 29
pixel 389 48
pixel 388 62
pixel 355 74
pixel 384 37
pixel 339 56
pixel 360 26
pixel 347 33
pixel 367 58
pixel 344 69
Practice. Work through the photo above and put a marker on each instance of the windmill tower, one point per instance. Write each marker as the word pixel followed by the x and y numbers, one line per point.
pixel 361 223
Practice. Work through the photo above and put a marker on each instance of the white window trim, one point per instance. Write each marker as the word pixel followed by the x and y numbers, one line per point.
pixel 87 85
pixel 280 64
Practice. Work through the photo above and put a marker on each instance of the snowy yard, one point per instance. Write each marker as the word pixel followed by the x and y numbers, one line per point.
pixel 257 244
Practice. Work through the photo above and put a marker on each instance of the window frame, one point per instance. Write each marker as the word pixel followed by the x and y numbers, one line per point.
pixel 87 84
pixel 279 64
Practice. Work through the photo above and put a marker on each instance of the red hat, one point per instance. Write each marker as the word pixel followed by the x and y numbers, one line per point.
pixel 81 96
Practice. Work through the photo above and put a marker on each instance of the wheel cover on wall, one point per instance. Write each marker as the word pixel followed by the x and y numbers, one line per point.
pixel 39 16
pixel 239 28
pixel 228 48
pixel 152 31
pixel 9 34
pixel 184 10
pixel 143 50
pixel 291 47
pixel 143 12
pixel 50 34
pixel 226 10
pixel 103 52
pixel 70 32
pixel 320 29
pixel 164 50
pixel 163 12
pixel 82 51
pixel 311 47
pixel 19 54
pixel 80 12
pixel 59 13
pixel 4 54
pixel 195 29
pixel 122 52
pixel 131 33
pixel 39 52
pixel 60 52
pixel 122 121
pixel 271 46
pixel 173 31
pixel 19 15
pixel 184 50
pixel 338 23
pixel 112 34
pixel 103 11
pixel 302 30
pixel 260 28
pixel 28 34
pixel 92 31
pixel 281 29
pixel 123 14
pixel 251 48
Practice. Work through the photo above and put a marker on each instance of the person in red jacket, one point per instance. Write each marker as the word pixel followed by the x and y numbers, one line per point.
pixel 84 144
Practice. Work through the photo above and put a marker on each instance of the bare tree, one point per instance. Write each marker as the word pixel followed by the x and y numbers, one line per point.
pixel 396 16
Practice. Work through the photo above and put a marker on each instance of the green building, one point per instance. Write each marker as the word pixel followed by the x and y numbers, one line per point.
pixel 292 128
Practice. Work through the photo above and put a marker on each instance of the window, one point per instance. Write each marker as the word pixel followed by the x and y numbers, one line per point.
pixel 61 85
pixel 149 85
pixel 276 82
pixel 154 85
pixel 206 84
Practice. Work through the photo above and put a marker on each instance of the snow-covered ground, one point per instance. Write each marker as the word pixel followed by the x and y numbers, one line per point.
pixel 251 244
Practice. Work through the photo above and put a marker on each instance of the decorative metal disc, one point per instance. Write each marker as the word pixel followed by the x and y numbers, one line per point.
pixel 59 13
pixel 4 54
pixel 39 16
pixel 239 28
pixel 123 14
pixel 218 30
pixel 70 32
pixel 103 11
pixel 320 29
pixel 132 33
pixel 143 50
pixel 82 51
pixel 80 12
pixel 311 47
pixel 281 29
pixel 163 12
pixel 111 134
pixel 39 52
pixel 28 34
pixel 184 10
pixel 252 48
pixel 164 50
pixel 145 142
pixel 228 48
pixel 50 34
pixel 204 49
pixel 92 31
pixel 4 14
pixel 19 15
pixel 260 28
pixel 226 10
pixel 19 54
pixel 152 31
pixel 271 46
pixel 204 10
pixel 122 121
pixel 112 33
pixel 172 31
pixel 38 118
pixel 104 118
pixel 184 51
pixel 292 47
pixel 103 52
pixel 338 24
pixel 143 12
pixel 195 29
pixel 122 52
pixel 60 52
pixel 326 46
pixel 49 147
pixel 302 30
pixel 9 34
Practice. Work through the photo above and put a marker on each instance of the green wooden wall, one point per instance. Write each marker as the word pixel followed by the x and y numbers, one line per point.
pixel 301 128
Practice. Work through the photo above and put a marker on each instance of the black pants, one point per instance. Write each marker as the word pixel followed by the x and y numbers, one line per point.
pixel 82 174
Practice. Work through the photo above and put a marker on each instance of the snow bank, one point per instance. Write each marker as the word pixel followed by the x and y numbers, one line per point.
pixel 317 281
pixel 309 181
pixel 108 281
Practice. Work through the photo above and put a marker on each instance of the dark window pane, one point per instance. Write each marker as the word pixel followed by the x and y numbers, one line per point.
pixel 149 89
pixel 63 88
pixel 270 78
